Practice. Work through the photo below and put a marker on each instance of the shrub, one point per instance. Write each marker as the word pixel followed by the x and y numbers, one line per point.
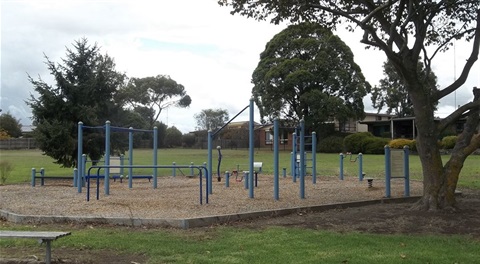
pixel 331 144
pixel 413 145
pixel 355 143
pixel 400 143
pixel 5 168
pixel 448 142
pixel 375 145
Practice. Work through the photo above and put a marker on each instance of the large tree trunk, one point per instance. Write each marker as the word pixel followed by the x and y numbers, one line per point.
pixel 435 184
pixel 434 179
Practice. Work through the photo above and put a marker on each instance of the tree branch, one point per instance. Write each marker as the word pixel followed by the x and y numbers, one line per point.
pixel 468 65
pixel 447 121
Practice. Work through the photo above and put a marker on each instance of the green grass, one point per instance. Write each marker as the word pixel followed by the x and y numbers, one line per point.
pixel 239 245
pixel 327 164
pixel 270 245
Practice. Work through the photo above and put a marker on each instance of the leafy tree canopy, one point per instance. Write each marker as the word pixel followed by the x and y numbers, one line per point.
pixel 392 93
pixel 211 119
pixel 307 72
pixel 150 95
pixel 405 31
pixel 11 126
pixel 85 86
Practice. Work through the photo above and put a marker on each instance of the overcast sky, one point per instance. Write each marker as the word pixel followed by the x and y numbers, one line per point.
pixel 198 43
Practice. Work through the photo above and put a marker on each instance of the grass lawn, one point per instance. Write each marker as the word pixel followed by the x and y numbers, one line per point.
pixel 270 245
pixel 242 245
pixel 327 164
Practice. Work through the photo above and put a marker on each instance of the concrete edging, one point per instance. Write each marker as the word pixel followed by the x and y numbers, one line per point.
pixel 191 222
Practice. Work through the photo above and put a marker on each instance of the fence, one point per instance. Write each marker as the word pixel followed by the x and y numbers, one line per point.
pixel 18 143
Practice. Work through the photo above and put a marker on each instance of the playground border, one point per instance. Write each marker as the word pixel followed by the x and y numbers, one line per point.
pixel 187 223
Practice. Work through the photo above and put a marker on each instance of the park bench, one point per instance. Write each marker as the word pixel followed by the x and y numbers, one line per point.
pixel 43 237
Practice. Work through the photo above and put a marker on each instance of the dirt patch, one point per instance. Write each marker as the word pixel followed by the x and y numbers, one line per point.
pixel 387 218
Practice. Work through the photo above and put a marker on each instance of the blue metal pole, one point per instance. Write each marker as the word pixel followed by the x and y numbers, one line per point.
pixel 130 157
pixel 191 168
pixel 294 156
pixel 388 171
pixel 227 179
pixel 245 179
pixel 42 174
pixel 209 176
pixel 33 177
pixel 75 177
pixel 81 177
pixel 292 166
pixel 79 155
pixel 275 159
pixel 251 150
pixel 174 170
pixel 406 170
pixel 284 172
pixel 360 166
pixel 155 156
pixel 107 158
pixel 341 167
pixel 302 159
pixel 314 157
pixel 122 162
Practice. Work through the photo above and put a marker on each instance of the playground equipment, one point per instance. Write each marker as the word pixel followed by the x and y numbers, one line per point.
pixel 397 165
pixel 358 159
pixel 211 135
pixel 81 158
pixel 105 167
pixel 42 177
pixel 296 154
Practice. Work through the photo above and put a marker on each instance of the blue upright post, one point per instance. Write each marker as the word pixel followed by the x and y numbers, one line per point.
pixel 292 165
pixel 209 176
pixel 33 177
pixel 406 170
pixel 341 167
pixel 302 159
pixel 388 171
pixel 75 177
pixel 314 157
pixel 42 174
pixel 227 179
pixel 130 157
pixel 174 169
pixel 79 155
pixel 251 150
pixel 191 168
pixel 294 156
pixel 155 157
pixel 107 158
pixel 122 162
pixel 81 177
pixel 275 159
pixel 360 166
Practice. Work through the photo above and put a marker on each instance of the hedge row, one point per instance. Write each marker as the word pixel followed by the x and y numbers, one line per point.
pixel 367 143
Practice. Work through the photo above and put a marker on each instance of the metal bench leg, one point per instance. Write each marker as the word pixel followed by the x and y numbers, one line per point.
pixel 48 253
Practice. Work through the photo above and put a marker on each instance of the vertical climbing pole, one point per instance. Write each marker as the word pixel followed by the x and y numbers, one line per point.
pixel 209 176
pixel 302 159
pixel 251 151
pixel 155 159
pixel 79 157
pixel 275 159
pixel 130 157
pixel 107 158
pixel 314 157
pixel 388 171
